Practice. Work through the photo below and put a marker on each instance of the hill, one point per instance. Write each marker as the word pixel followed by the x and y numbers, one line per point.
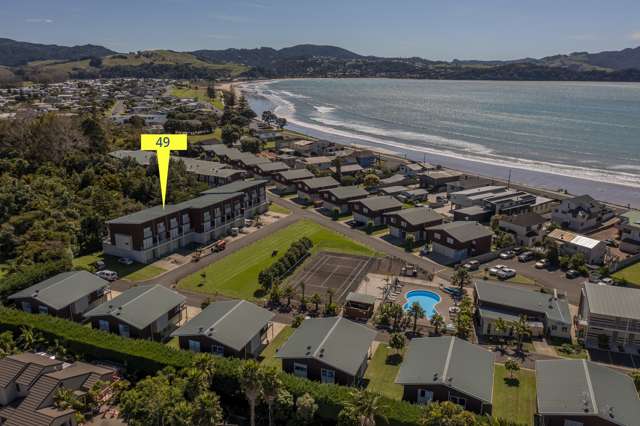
pixel 14 53
pixel 612 60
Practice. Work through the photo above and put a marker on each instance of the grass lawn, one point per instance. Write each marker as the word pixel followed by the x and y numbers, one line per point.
pixel 133 272
pixel 200 138
pixel 630 273
pixel 268 354
pixel 514 399
pixel 381 375
pixel 199 93
pixel 236 275
pixel 278 209
pixel 521 279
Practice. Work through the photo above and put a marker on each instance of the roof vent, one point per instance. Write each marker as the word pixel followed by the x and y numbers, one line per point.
pixel 200 329
pixel 308 348
pixel 612 413
pixel 435 377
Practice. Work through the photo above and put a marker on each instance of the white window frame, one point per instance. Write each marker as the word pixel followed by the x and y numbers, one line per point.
pixel 194 345
pixel 104 325
pixel 43 309
pixel 424 399
pixel 217 350
pixel 327 375
pixel 298 368
pixel 124 330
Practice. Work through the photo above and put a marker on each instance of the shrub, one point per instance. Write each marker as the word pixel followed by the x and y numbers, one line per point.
pixel 31 275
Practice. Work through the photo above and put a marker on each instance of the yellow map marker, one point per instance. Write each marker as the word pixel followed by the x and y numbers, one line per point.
pixel 163 145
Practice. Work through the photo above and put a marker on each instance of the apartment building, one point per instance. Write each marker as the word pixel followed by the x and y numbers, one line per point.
pixel 630 231
pixel 581 213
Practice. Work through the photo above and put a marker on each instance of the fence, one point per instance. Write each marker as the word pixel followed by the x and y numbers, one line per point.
pixel 616 266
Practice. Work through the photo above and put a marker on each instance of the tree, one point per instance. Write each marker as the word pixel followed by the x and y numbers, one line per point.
pixel 446 414
pixel 250 144
pixel 288 292
pixel 397 342
pixel 337 163
pixel 207 410
pixel 271 384
pixel 306 408
pixel 316 300
pixel 416 311
pixel 7 344
pixel 29 340
pixel 371 180
pixel 437 322
pixel 521 329
pixel 461 278
pixel 230 134
pixel 501 328
pixel 409 242
pixel 365 406
pixel 275 294
pixel 330 293
pixel 512 366
pixel 250 382
pixel 297 321
pixel 464 318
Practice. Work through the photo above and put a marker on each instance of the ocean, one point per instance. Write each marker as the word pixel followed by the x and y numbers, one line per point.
pixel 580 136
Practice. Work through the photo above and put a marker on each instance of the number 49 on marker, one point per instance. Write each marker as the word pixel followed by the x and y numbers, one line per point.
pixel 163 145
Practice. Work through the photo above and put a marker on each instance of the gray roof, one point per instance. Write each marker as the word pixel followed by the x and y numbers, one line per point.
pixel 335 341
pixel 472 210
pixel 451 362
pixel 347 168
pixel 217 149
pixel 296 174
pixel 525 219
pixel 382 202
pixel 139 306
pixel 343 192
pixel 157 212
pixel 321 182
pixel 253 160
pixel 397 178
pixel 361 298
pixel 140 157
pixel 417 215
pixel 234 154
pixel 237 186
pixel 584 388
pixel 63 289
pixel 622 302
pixel 232 322
pixel 464 230
pixel 273 167
pixel 518 298
pixel 392 190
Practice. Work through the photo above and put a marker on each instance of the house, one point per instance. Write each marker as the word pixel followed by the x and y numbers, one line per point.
pixel 474 196
pixel 472 214
pixel 547 314
pixel 577 392
pixel 569 244
pixel 447 368
pixel 526 228
pixel 581 213
pixel 347 170
pixel 254 194
pixel 393 190
pixel 19 372
pixel 457 241
pixel 309 189
pixel 437 180
pixel 146 312
pixel 332 350
pixel 248 161
pixel 543 205
pixel 359 306
pixel 510 202
pixel 37 406
pixel 417 195
pixel 268 170
pixel 629 227
pixel 412 223
pixel 339 198
pixel 224 176
pixel 158 231
pixel 372 209
pixel 412 170
pixel 320 163
pixel 366 158
pixel 66 295
pixel 468 182
pixel 302 148
pixel 286 180
pixel 609 317
pixel 227 328
pixel 393 180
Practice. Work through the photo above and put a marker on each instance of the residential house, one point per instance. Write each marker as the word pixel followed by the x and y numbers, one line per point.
pixel 547 314
pixel 228 328
pixel 447 368
pixel 146 312
pixel 320 163
pixel 629 227
pixel 309 190
pixel 340 197
pixel 412 170
pixel 20 371
pixel 366 158
pixel 372 209
pixel 570 243
pixel 286 180
pixel 468 182
pixel 347 170
pixel 577 392
pixel 393 190
pixel 249 161
pixel 66 295
pixel 527 229
pixel 609 317
pixel 581 213
pixel 268 170
pixel 412 223
pixel 457 241
pixel 394 180
pixel 474 196
pixel 472 214
pixel 510 202
pixel 254 194
pixel 437 180
pixel 417 195
pixel 302 148
pixel 158 231
pixel 332 350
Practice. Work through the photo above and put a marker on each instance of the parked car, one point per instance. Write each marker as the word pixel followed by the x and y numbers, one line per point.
pixel 518 250
pixel 509 254
pixel 472 265
pixel 99 265
pixel 606 281
pixel 542 263
pixel 572 273
pixel 107 275
pixel 495 269
pixel 125 261
pixel 526 256
pixel 506 273
pixel 441 199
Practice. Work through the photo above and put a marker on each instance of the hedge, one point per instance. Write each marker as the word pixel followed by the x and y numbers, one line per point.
pixel 144 357
pixel 31 275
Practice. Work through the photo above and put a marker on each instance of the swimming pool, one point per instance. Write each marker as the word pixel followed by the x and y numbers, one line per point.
pixel 427 299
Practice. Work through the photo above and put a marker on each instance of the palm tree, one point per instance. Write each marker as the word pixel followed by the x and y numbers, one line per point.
pixel 437 322
pixel 316 300
pixel 330 293
pixel 501 328
pixel 396 312
pixel 207 410
pixel 521 330
pixel 365 406
pixel 206 364
pixel 29 339
pixel 271 384
pixel 7 344
pixel 251 384
pixel 416 311
pixel 461 278
pixel 275 294
pixel 288 292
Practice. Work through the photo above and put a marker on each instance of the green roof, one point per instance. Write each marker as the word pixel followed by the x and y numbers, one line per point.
pixel 586 389
pixel 237 186
pixel 451 362
pixel 233 323
pixel 335 341
pixel 63 289
pixel 366 299
pixel 296 174
pixel 342 192
pixel 139 306
pixel 382 202
pixel 464 231
pixel 321 182
pixel 273 167
pixel 632 217
pixel 417 215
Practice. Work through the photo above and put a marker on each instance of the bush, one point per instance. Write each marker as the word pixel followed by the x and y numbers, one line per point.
pixel 31 275
pixel 297 251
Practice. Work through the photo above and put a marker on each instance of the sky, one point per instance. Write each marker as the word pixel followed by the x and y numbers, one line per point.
pixel 432 29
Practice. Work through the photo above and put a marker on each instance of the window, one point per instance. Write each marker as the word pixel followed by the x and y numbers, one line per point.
pixel 327 376
pixel 554 327
pixel 424 396
pixel 458 400
pixel 299 370
pixel 147 232
pixel 43 309
pixel 147 243
pixel 572 423
pixel 194 345
pixel 449 240
pixel 26 306
pixel 436 235
pixel 103 325
pixel 123 330
pixel 217 350
pixel 365 210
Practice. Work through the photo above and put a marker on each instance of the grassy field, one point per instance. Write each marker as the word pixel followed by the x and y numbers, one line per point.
pixel 133 272
pixel 268 354
pixel 199 93
pixel 278 209
pixel 514 399
pixel 630 273
pixel 381 375
pixel 236 275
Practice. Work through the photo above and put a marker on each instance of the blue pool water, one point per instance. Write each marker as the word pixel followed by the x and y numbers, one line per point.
pixel 427 299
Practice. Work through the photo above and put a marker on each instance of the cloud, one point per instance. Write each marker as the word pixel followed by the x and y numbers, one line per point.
pixel 39 21
pixel 635 36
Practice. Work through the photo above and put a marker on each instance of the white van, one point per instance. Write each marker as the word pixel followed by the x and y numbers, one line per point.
pixel 107 275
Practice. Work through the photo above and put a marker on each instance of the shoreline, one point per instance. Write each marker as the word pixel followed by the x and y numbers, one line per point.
pixel 622 196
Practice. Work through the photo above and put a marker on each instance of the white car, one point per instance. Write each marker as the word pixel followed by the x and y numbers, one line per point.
pixel 543 263
pixel 607 281
pixel 506 273
pixel 125 261
pixel 507 254
pixel 495 269
pixel 107 275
